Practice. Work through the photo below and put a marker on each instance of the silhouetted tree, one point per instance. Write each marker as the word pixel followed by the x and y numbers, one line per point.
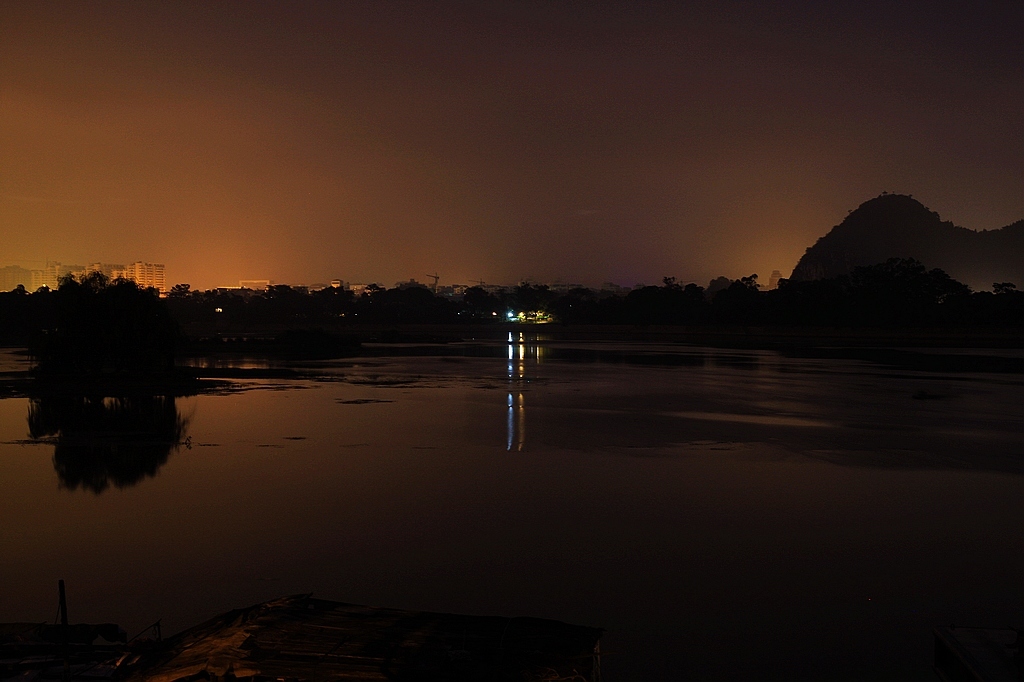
pixel 531 297
pixel 717 284
pixel 739 303
pixel 480 303
pixel 901 291
pixel 823 302
pixel 667 304
pixel 180 291
pixel 1005 305
pixel 411 305
pixel 104 326
pixel 578 306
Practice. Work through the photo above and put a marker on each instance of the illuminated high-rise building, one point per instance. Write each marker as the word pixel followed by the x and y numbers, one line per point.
pixel 76 271
pixel 146 275
pixel 111 271
pixel 42 278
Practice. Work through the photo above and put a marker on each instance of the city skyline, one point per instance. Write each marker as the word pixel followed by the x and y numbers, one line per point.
pixel 153 274
pixel 49 275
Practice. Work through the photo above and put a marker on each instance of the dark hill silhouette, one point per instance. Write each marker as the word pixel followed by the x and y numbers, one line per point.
pixel 899 226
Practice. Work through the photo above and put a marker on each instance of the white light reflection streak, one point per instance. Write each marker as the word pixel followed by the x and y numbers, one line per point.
pixel 516 417
pixel 521 422
pixel 511 425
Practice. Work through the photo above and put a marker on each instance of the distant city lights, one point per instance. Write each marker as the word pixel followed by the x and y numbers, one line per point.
pixel 530 317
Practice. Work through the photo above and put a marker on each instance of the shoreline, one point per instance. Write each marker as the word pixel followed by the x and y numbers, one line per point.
pixel 748 337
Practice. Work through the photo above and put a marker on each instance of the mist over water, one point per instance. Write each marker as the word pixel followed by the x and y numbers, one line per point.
pixel 724 514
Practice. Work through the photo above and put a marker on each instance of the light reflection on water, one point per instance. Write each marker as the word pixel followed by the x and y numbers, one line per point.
pixel 520 351
pixel 102 442
pixel 725 514
pixel 239 362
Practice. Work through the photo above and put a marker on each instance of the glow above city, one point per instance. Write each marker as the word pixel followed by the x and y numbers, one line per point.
pixel 375 142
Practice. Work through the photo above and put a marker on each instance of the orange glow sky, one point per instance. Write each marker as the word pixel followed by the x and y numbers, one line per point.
pixel 499 141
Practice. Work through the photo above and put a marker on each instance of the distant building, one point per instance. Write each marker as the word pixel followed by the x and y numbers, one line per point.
pixel 235 291
pixel 43 278
pixel 146 275
pixel 76 271
pixel 564 287
pixel 452 291
pixel 411 284
pixel 255 284
pixel 109 270
pixel 357 288
pixel 13 275
pixel 612 287
pixel 773 281
pixel 49 276
pixel 337 284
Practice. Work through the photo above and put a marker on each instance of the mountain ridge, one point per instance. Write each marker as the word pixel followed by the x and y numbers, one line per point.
pixel 899 226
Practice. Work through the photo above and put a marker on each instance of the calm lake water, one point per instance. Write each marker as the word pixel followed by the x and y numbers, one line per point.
pixel 723 514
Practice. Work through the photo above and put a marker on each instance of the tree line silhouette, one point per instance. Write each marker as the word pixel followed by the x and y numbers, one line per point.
pixel 99 325
pixel 896 293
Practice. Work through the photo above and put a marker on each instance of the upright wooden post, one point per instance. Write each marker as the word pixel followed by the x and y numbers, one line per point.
pixel 65 634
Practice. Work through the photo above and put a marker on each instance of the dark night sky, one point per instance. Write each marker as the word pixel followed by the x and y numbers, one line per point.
pixel 494 140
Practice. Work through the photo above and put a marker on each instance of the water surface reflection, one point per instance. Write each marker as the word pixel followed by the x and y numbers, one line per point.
pixel 103 441
pixel 522 349
pixel 724 514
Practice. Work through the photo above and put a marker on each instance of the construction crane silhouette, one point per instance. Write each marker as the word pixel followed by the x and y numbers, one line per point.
pixel 435 277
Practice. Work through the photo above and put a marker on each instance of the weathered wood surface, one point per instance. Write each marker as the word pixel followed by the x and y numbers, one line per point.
pixel 301 638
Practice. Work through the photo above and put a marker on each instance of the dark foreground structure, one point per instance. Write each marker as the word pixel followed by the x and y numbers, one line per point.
pixel 41 651
pixel 301 638
pixel 978 655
